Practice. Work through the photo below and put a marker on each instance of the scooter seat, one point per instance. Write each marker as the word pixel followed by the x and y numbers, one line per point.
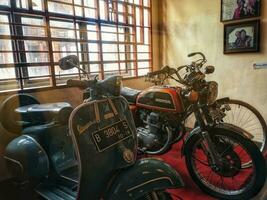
pixel 45 113
pixel 130 94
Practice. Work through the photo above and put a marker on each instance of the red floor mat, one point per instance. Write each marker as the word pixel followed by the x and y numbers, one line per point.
pixel 190 191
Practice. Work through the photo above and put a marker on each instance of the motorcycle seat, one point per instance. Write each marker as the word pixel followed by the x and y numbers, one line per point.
pixel 130 94
pixel 45 113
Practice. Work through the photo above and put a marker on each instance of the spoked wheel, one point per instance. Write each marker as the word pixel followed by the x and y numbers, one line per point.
pixel 244 116
pixel 156 195
pixel 249 119
pixel 226 179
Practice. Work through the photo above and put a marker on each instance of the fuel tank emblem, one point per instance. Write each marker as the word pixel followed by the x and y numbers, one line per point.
pixel 163 101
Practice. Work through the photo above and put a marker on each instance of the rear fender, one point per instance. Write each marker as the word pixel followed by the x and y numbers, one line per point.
pixel 222 100
pixel 145 176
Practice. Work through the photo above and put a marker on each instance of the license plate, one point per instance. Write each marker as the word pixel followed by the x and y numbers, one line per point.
pixel 112 135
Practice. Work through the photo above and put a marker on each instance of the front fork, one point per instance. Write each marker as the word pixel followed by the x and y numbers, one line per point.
pixel 205 121
pixel 210 148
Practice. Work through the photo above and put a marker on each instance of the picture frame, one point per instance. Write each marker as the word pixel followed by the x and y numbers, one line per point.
pixel 232 10
pixel 242 37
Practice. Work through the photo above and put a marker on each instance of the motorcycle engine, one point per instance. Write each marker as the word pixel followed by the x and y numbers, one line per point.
pixel 151 134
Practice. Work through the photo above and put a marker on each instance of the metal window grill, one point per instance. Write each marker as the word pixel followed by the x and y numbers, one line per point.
pixel 109 37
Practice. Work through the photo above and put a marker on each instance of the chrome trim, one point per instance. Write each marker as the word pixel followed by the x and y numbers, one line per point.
pixel 68 178
pixel 156 179
pixel 74 141
pixel 113 106
pixel 15 161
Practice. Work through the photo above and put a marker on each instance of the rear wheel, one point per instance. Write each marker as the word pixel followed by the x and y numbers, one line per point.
pixel 248 118
pixel 156 195
pixel 244 116
pixel 226 179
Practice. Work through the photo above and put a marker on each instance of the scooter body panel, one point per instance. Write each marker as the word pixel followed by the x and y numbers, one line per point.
pixel 99 145
pixel 102 143
pixel 26 158
pixel 145 176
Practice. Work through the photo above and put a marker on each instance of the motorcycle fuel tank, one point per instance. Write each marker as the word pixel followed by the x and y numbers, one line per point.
pixel 161 98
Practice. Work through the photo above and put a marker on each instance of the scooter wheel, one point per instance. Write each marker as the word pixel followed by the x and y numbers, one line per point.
pixel 8 118
pixel 157 195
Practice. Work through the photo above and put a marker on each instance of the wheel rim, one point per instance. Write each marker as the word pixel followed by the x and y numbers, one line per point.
pixel 244 118
pixel 217 182
pixel 154 196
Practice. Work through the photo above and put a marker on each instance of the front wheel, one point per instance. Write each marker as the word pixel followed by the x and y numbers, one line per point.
pixel 156 195
pixel 226 179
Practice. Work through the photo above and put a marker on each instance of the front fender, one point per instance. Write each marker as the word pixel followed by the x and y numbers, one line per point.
pixel 227 127
pixel 145 176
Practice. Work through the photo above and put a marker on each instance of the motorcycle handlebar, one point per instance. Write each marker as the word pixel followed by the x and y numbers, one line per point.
pixel 170 71
pixel 80 84
pixel 164 70
pixel 197 53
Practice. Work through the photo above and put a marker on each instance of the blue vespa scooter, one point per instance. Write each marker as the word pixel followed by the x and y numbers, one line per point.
pixel 98 160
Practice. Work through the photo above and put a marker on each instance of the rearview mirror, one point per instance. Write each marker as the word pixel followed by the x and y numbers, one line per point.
pixel 209 69
pixel 69 62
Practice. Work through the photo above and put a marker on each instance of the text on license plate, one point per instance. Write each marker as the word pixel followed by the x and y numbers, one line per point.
pixel 111 135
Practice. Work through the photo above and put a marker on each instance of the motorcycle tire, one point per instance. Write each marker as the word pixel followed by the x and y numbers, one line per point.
pixel 224 176
pixel 156 195
pixel 8 118
pixel 247 117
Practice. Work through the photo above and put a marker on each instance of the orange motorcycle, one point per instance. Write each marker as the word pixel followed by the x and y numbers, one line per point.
pixel 221 157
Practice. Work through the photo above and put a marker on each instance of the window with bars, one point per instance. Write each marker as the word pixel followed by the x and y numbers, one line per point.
pixel 109 37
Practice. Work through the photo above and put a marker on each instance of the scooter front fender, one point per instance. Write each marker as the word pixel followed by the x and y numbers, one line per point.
pixel 145 176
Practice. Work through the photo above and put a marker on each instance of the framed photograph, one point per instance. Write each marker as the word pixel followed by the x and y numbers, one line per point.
pixel 242 37
pixel 239 9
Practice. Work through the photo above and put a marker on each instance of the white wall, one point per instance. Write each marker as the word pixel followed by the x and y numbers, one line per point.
pixel 190 25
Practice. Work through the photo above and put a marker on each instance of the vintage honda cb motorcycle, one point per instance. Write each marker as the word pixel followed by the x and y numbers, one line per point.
pixel 94 159
pixel 221 160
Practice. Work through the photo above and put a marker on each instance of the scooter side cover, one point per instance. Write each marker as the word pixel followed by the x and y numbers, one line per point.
pixel 26 158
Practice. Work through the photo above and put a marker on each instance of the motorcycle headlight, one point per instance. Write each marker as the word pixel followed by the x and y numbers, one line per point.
pixel 212 92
